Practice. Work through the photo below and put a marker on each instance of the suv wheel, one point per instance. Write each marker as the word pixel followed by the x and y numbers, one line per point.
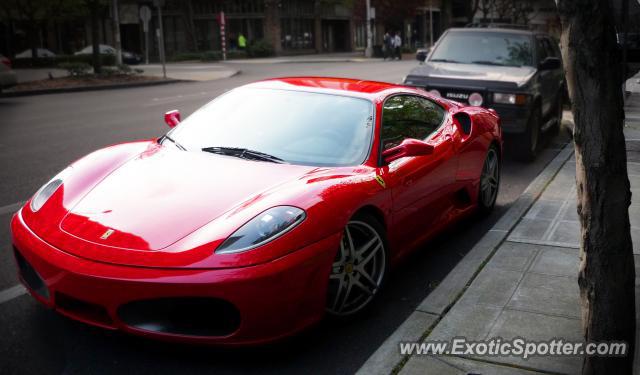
pixel 527 142
pixel 555 128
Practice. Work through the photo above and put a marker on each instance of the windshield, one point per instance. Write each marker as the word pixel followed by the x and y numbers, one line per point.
pixel 490 48
pixel 296 127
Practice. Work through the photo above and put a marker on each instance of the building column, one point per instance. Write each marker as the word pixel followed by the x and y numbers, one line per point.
pixel 272 24
pixel 317 26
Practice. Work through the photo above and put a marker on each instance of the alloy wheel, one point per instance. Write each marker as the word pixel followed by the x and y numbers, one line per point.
pixel 358 269
pixel 489 179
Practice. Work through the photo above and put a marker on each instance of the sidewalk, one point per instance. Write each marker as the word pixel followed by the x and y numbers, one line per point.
pixel 310 58
pixel 190 71
pixel 520 280
pixel 175 71
pixel 354 57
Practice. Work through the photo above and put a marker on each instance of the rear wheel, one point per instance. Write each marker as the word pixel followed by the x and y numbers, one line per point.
pixel 527 142
pixel 359 268
pixel 489 181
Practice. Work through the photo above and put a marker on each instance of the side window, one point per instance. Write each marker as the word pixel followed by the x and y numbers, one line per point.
pixel 408 116
pixel 542 51
pixel 549 47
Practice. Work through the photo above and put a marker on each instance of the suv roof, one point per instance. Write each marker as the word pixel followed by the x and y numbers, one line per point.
pixel 494 29
pixel 498 25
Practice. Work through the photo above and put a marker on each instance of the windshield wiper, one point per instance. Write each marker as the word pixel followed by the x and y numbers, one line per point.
pixel 445 60
pixel 486 62
pixel 178 145
pixel 243 153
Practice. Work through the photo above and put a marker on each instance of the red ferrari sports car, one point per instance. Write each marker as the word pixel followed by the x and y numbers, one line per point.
pixel 274 204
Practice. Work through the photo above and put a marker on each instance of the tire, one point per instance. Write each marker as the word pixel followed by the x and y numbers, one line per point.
pixel 489 181
pixel 527 143
pixel 559 109
pixel 358 271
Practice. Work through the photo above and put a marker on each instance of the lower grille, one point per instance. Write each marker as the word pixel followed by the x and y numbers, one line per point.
pixel 191 316
pixel 86 311
pixel 31 276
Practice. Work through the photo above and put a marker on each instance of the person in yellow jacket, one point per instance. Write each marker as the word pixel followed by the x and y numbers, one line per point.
pixel 242 41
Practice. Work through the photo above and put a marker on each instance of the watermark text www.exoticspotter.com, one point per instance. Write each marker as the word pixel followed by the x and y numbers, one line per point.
pixel 518 347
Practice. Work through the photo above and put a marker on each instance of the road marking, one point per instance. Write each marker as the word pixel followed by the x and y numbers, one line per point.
pixel 11 208
pixel 12 293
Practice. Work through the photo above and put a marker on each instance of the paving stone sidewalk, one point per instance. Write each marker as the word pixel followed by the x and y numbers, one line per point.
pixel 528 287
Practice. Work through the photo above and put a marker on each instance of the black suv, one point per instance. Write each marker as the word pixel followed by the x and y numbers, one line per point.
pixel 516 72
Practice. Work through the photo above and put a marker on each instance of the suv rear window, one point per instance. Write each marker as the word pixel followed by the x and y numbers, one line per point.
pixel 488 48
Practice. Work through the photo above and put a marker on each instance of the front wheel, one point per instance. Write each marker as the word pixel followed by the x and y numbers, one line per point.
pixel 489 182
pixel 359 268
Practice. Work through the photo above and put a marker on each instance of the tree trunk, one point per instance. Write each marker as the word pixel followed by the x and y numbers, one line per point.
pixel 190 26
pixel 95 36
pixel 607 273
pixel 272 24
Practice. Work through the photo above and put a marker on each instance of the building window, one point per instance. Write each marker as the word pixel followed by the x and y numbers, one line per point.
pixel 207 35
pixel 297 8
pixel 297 33
pixel 360 37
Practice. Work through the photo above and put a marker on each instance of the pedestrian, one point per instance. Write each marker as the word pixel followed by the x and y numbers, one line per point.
pixel 397 45
pixel 242 42
pixel 387 45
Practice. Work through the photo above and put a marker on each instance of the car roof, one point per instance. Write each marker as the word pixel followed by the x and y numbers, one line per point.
pixel 332 85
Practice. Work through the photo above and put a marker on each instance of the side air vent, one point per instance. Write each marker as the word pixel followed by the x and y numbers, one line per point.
pixel 464 120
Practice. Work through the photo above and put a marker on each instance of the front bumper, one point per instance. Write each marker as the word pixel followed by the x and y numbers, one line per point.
pixel 273 300
pixel 513 118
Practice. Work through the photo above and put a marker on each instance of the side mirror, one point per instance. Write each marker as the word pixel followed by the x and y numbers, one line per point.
pixel 408 147
pixel 172 118
pixel 550 63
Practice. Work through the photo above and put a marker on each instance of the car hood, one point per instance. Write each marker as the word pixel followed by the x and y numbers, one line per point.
pixel 162 195
pixel 474 72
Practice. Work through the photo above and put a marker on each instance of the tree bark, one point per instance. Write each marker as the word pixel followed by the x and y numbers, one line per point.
pixel 607 274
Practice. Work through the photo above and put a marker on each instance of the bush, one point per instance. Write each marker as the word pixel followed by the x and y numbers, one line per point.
pixel 260 48
pixel 118 70
pixel 186 56
pixel 52 62
pixel 76 69
pixel 407 49
pixel 211 56
pixel 237 54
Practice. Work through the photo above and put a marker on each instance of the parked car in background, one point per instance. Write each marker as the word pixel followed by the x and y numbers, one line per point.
pixel 516 72
pixel 41 52
pixel 8 77
pixel 127 57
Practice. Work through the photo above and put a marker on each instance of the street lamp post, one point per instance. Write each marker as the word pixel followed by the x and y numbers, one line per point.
pixel 368 52
pixel 160 33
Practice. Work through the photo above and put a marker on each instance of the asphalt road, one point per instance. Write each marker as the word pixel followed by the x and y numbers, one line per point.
pixel 40 135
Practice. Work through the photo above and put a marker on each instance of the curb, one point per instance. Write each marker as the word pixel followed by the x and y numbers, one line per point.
pixel 87 88
pixel 387 358
pixel 307 61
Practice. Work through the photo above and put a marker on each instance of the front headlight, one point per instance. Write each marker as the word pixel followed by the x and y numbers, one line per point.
pixel 263 228
pixel 502 98
pixel 475 99
pixel 46 191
